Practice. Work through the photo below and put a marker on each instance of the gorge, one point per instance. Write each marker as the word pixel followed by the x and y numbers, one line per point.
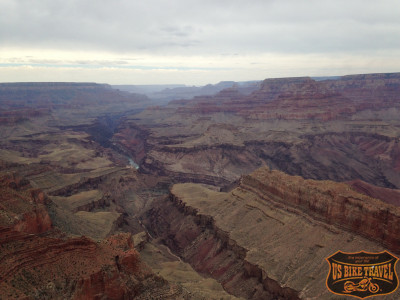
pixel 240 194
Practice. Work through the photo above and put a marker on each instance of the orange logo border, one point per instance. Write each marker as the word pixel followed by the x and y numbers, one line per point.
pixel 357 253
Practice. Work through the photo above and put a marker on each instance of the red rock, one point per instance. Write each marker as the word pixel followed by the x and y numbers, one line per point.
pixel 72 268
pixel 38 262
pixel 391 196
pixel 302 98
pixel 211 251
pixel 23 207
pixel 331 202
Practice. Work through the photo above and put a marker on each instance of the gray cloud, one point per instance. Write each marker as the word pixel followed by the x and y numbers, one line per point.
pixel 195 42
pixel 186 27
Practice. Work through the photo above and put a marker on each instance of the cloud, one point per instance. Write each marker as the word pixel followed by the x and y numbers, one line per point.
pixel 190 33
pixel 204 26
pixel 198 70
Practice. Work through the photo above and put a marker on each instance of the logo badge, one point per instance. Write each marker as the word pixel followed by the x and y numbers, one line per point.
pixel 362 274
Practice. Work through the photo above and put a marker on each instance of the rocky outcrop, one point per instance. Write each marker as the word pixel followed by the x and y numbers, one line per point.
pixel 13 117
pixel 91 206
pixel 303 98
pixel 39 262
pixel 391 196
pixel 335 156
pixel 132 140
pixel 330 202
pixel 338 129
pixel 211 251
pixel 44 267
pixel 368 90
pixel 266 238
pixel 155 167
pixel 269 237
pixel 22 207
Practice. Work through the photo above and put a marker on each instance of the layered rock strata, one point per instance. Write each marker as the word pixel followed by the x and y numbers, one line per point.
pixel 339 129
pixel 391 196
pixel 269 237
pixel 22 207
pixel 39 262
pixel 44 267
pixel 210 250
pixel 330 202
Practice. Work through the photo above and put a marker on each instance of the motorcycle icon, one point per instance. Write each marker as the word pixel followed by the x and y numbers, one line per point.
pixel 364 285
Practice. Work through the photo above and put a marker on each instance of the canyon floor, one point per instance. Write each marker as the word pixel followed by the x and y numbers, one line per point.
pixel 241 194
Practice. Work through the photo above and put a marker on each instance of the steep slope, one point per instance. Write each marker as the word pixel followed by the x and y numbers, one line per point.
pixel 391 196
pixel 44 267
pixel 70 200
pixel 338 129
pixel 22 208
pixel 265 238
pixel 269 237
pixel 38 262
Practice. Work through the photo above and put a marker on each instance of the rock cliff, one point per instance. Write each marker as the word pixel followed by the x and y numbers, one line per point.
pixel 339 129
pixel 21 206
pixel 391 196
pixel 303 98
pixel 67 186
pixel 38 262
pixel 51 267
pixel 66 189
pixel 211 251
pixel 269 237
pixel 331 202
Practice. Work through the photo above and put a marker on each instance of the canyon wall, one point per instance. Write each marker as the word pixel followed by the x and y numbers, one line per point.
pixel 268 237
pixel 339 129
pixel 331 202
pixel 210 250
pixel 42 262
pixel 66 187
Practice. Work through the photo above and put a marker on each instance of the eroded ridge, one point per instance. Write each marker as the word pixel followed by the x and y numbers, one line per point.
pixel 268 238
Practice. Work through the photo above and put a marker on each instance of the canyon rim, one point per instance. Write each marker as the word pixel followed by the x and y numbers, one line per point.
pixel 238 193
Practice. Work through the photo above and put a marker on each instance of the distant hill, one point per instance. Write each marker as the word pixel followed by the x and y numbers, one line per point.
pixel 146 89
pixel 166 93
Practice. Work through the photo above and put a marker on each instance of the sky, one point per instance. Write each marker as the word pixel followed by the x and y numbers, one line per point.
pixel 195 42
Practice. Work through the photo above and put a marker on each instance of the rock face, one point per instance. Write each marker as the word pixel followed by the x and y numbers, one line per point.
pixel 272 231
pixel 38 262
pixel 210 250
pixel 44 267
pixel 66 189
pixel 340 129
pixel 304 98
pixel 391 196
pixel 22 207
pixel 133 139
pixel 67 186
pixel 331 202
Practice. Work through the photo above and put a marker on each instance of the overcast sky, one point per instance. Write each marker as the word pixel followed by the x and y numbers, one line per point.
pixel 195 42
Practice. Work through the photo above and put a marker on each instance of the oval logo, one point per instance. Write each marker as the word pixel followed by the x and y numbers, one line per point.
pixel 362 274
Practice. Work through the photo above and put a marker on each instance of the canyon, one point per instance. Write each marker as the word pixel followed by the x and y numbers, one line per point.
pixel 341 130
pixel 39 261
pixel 240 194
pixel 241 237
